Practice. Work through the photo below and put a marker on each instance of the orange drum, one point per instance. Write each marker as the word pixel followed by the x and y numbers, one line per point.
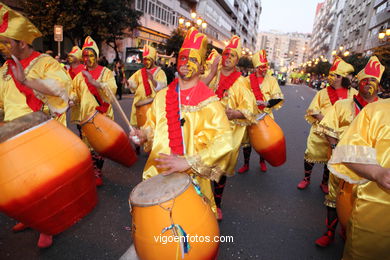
pixel 108 139
pixel 344 202
pixel 140 110
pixel 162 202
pixel 268 140
pixel 46 178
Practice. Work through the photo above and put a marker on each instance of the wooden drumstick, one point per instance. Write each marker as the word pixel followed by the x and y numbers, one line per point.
pixel 122 114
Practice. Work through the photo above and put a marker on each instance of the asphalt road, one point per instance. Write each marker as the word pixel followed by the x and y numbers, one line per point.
pixel 268 217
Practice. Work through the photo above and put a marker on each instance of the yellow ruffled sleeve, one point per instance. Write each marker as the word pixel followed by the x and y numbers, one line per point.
pixel 314 108
pixel 149 127
pixel 212 140
pixel 356 146
pixel 50 73
pixel 161 80
pixel 134 81
pixel 273 91
pixel 242 99
pixel 329 125
pixel 107 80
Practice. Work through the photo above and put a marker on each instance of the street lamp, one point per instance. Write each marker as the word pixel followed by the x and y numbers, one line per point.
pixel 341 48
pixel 346 53
pixel 181 20
pixel 204 25
pixel 334 52
pixel 193 15
pixel 199 21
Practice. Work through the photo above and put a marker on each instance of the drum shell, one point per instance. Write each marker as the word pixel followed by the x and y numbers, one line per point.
pixel 268 140
pixel 140 113
pixel 191 212
pixel 344 202
pixel 46 178
pixel 109 139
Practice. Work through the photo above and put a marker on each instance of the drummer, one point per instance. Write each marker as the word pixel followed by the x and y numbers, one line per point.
pixel 240 104
pixel 31 81
pixel 90 93
pixel 333 126
pixel 74 60
pixel 146 82
pixel 187 129
pixel 268 96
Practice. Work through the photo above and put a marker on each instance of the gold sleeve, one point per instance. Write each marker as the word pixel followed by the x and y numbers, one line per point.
pixel 356 146
pixel 50 73
pixel 161 79
pixel 107 80
pixel 213 141
pixel 329 125
pixel 314 108
pixel 149 127
pixel 133 81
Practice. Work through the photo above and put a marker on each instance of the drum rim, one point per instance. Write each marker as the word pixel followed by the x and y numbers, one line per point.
pixel 261 116
pixel 89 118
pixel 150 100
pixel 185 188
pixel 28 130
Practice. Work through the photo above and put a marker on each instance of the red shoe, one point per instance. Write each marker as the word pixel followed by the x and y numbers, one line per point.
pixel 45 241
pixel 219 214
pixel 303 184
pixel 325 240
pixel 324 187
pixel 99 181
pixel 263 166
pixel 244 168
pixel 19 227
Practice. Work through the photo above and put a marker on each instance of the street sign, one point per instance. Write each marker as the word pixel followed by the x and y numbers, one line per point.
pixel 58 33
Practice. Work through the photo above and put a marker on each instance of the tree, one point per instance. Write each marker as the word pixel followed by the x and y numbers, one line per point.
pixel 174 43
pixel 103 20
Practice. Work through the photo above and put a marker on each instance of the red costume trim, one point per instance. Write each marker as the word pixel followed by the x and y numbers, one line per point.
pixel 103 106
pixel 32 101
pixel 173 119
pixel 145 81
pixel 225 84
pixel 338 94
pixel 255 85
pixel 360 103
pixel 74 71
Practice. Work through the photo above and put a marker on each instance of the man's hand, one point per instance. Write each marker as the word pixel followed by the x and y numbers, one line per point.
pixel 234 114
pixel 18 71
pixel 319 117
pixel 151 78
pixel 138 136
pixel 214 65
pixel 172 163
pixel 91 80
pixel 383 178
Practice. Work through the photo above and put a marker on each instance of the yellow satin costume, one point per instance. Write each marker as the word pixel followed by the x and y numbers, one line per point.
pixel 366 141
pixel 49 72
pixel 85 102
pixel 238 97
pixel 334 124
pixel 317 146
pixel 271 90
pixel 207 140
pixel 137 86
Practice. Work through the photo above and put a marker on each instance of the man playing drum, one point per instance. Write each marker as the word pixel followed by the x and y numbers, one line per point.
pixel 90 93
pixel 335 123
pixel 31 81
pixel 187 129
pixel 240 105
pixel 317 145
pixel 146 82
pixel 268 96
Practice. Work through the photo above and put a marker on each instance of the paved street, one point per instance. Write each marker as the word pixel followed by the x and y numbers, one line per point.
pixel 264 212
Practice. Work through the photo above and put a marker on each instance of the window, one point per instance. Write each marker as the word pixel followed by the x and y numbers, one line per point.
pixel 381 8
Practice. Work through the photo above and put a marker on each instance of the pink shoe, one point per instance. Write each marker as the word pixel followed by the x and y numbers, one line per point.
pixel 244 168
pixel 219 214
pixel 263 166
pixel 303 184
pixel 45 241
pixel 19 227
pixel 324 187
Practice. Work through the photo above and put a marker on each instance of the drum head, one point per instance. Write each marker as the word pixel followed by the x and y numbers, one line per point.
pixel 159 189
pixel 144 102
pixel 21 124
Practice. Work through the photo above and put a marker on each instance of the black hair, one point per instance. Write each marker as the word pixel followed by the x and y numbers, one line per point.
pixel 345 82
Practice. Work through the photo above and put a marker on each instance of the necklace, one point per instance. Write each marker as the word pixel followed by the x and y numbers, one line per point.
pixel 189 95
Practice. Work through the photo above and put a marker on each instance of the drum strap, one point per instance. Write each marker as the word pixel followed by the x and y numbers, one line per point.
pixel 32 101
pixel 103 106
pixel 255 85
pixel 360 103
pixel 145 81
pixel 334 95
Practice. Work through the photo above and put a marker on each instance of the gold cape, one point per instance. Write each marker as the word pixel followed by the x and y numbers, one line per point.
pixel 207 140
pixel 366 141
pixel 85 102
pixel 49 72
pixel 317 146
pixel 137 86
pixel 240 98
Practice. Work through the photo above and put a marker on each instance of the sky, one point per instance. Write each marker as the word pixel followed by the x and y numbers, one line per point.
pixel 288 15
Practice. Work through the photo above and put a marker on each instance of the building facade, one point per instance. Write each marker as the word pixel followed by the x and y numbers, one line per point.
pixel 285 50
